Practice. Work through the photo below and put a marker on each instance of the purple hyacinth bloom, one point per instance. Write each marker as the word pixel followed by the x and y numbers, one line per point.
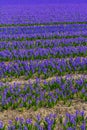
pixel 38 118
pixel 82 113
pixel 10 122
pixel 70 128
pixel 29 121
pixel 21 120
pixel 1 125
pixel 83 90
pixel 83 126
pixel 16 119
pixel 25 128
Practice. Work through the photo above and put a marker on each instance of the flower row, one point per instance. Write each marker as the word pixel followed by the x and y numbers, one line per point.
pixel 43 43
pixel 41 53
pixel 42 29
pixel 46 68
pixel 47 94
pixel 35 36
pixel 71 122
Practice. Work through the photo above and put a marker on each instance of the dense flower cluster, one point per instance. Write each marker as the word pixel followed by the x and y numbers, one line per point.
pixel 43 14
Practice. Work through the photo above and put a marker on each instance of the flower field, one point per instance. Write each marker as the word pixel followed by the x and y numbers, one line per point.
pixel 43 67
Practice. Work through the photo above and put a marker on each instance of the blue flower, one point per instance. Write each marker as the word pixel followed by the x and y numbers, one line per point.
pixel 25 128
pixel 1 125
pixel 29 121
pixel 83 126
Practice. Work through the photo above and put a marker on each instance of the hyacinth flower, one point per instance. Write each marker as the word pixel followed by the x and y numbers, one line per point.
pixel 83 126
pixel 1 125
